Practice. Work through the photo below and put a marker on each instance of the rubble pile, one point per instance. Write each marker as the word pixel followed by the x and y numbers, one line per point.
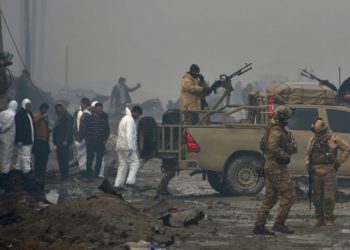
pixel 19 192
pixel 97 222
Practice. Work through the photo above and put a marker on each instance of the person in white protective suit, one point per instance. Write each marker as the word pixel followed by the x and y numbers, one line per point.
pixel 80 145
pixel 24 138
pixel 7 136
pixel 126 147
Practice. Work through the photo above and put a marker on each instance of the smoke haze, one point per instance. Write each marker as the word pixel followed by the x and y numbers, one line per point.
pixel 155 41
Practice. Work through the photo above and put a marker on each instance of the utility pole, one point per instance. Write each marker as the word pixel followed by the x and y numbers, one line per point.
pixel 27 35
pixel 66 69
pixel 1 42
pixel 339 77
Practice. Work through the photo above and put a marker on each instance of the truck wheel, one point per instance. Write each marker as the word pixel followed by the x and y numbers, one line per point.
pixel 241 176
pixel 216 181
pixel 147 137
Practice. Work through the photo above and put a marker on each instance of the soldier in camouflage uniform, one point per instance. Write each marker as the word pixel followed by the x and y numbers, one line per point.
pixel 278 149
pixel 322 162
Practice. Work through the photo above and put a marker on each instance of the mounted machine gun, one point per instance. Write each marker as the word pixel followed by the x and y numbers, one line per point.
pixel 311 76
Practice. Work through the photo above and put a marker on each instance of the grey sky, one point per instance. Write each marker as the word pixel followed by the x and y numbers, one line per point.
pixel 155 41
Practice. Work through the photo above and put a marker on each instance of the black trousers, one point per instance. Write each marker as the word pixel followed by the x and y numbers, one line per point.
pixel 62 153
pixel 94 147
pixel 41 151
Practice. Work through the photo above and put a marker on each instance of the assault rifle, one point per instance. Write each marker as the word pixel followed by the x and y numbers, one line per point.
pixel 311 76
pixel 309 191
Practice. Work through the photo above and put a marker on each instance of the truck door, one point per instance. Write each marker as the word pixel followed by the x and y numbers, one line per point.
pixel 299 124
pixel 339 123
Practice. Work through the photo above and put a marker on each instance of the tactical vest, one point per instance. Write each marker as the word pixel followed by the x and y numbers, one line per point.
pixel 322 153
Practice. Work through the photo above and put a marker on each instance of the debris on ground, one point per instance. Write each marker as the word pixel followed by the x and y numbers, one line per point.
pixel 101 222
pixel 178 217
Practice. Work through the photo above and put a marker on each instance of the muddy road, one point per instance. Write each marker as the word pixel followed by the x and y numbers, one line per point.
pixel 229 220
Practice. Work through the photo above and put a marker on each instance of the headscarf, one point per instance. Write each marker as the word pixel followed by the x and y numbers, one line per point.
pixel 25 102
pixel 93 104
pixel 13 105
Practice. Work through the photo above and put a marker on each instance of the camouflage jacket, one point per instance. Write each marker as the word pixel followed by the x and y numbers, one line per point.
pixel 279 143
pixel 324 151
pixel 190 93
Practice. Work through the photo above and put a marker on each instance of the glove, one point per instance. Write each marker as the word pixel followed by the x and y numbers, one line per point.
pixel 65 143
pixel 282 161
pixel 130 151
pixel 19 145
pixel 337 165
pixel 292 148
pixel 201 78
pixel 0 128
pixel 207 90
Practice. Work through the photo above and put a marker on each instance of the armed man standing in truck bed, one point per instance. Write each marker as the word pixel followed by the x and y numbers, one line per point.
pixel 322 162
pixel 190 102
pixel 278 147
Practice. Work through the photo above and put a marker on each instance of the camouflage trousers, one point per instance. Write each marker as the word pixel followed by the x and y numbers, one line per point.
pixel 278 185
pixel 324 188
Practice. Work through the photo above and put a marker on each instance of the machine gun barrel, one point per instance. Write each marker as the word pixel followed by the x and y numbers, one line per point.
pixel 244 69
pixel 311 76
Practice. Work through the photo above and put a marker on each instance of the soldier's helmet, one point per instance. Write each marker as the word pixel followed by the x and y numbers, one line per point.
pixel 282 113
pixel 318 126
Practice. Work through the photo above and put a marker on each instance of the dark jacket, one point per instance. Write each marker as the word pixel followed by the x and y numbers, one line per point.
pixel 116 95
pixel 96 127
pixel 23 127
pixel 83 124
pixel 63 130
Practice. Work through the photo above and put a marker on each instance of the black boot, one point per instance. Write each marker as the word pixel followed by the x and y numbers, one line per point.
pixel 280 227
pixel 261 229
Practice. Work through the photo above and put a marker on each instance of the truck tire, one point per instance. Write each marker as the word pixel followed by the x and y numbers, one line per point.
pixel 216 181
pixel 241 175
pixel 147 137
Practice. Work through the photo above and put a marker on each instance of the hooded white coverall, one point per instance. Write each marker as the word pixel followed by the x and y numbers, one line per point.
pixel 25 151
pixel 7 136
pixel 127 140
pixel 80 146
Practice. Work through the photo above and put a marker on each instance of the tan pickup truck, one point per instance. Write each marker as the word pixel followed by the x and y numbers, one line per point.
pixel 224 147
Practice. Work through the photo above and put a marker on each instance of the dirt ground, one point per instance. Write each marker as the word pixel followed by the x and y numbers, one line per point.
pixel 105 222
